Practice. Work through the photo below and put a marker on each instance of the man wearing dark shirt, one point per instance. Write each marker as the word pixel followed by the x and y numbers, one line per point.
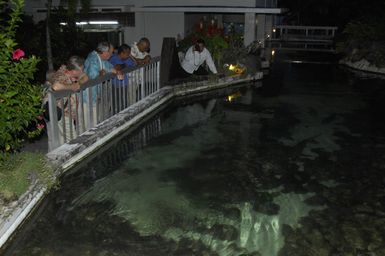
pixel 121 60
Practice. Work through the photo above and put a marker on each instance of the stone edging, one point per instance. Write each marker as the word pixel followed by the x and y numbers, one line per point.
pixel 363 65
pixel 69 154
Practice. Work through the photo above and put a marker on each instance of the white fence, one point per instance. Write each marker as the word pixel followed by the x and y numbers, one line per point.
pixel 285 32
pixel 308 38
pixel 72 113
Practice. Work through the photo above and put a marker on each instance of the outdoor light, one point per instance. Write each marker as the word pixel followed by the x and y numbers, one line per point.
pixel 233 96
pixel 237 69
pixel 274 30
pixel 104 22
pixel 272 52
pixel 101 22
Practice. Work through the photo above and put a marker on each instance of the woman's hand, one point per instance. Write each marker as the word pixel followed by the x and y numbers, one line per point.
pixel 75 87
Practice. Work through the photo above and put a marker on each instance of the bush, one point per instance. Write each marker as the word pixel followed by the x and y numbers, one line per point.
pixel 214 39
pixel 20 101
pixel 364 40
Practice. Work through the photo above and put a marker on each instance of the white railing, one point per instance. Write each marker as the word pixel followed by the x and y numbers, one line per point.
pixel 98 100
pixel 302 38
pixel 292 33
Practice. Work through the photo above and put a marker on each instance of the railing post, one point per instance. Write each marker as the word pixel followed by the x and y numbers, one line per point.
pixel 142 83
pixel 82 123
pixel 53 126
pixel 90 108
pixel 157 75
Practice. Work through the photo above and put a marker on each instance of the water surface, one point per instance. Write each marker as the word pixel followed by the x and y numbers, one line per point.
pixel 300 172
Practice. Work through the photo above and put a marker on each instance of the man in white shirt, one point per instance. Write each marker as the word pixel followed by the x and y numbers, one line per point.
pixel 140 51
pixel 195 56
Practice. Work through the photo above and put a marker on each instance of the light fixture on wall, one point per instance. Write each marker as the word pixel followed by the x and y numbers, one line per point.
pixel 100 22
pixel 104 22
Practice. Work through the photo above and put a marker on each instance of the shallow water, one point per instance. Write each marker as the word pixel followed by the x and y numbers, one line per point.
pixel 299 173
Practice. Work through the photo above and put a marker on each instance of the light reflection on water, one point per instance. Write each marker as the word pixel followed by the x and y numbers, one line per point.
pixel 157 207
pixel 246 176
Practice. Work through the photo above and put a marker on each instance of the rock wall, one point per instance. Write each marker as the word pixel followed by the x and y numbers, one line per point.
pixel 363 65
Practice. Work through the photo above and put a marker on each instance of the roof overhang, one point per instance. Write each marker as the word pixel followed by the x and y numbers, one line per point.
pixel 211 9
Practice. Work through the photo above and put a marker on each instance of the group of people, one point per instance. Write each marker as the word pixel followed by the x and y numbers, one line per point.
pixel 104 59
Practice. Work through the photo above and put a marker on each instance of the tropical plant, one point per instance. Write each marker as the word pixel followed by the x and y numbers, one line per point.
pixel 20 101
pixel 214 39
pixel 364 40
pixel 70 20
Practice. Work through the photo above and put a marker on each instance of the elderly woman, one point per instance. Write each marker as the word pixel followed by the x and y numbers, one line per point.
pixel 68 77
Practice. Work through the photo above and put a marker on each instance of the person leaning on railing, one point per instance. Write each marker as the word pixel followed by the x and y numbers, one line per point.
pixel 97 65
pixel 121 60
pixel 141 51
pixel 68 77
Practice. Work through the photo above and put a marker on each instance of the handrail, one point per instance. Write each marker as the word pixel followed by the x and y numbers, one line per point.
pixel 309 38
pixel 108 76
pixel 306 27
pixel 97 100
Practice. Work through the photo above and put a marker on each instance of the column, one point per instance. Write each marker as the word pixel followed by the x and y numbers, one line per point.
pixel 261 18
pixel 249 35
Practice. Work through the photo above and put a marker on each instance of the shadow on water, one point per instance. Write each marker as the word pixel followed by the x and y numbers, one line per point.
pixel 297 173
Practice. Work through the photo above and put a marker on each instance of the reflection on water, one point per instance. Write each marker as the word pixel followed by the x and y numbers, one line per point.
pixel 155 206
pixel 295 174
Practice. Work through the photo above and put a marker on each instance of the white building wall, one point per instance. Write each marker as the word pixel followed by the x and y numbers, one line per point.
pixel 269 25
pixel 158 25
pixel 261 21
pixel 139 3
pixel 250 28
pixel 30 4
pixel 155 26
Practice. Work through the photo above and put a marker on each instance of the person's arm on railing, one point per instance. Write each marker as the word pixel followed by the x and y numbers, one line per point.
pixel 83 78
pixel 144 61
pixel 57 86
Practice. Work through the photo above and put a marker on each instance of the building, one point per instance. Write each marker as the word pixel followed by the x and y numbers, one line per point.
pixel 156 19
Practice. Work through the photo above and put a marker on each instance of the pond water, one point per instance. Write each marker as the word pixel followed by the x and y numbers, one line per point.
pixel 251 173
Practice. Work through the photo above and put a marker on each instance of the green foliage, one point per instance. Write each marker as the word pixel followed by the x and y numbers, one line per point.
pixel 365 31
pixel 20 101
pixel 214 42
pixel 364 40
pixel 19 170
pixel 65 40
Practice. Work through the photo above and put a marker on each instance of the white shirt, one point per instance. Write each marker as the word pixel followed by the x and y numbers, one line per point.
pixel 136 53
pixel 193 59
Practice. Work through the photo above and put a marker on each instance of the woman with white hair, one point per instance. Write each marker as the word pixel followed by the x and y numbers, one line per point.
pixel 68 77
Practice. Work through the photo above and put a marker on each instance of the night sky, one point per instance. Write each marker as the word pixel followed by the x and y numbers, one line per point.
pixel 332 12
